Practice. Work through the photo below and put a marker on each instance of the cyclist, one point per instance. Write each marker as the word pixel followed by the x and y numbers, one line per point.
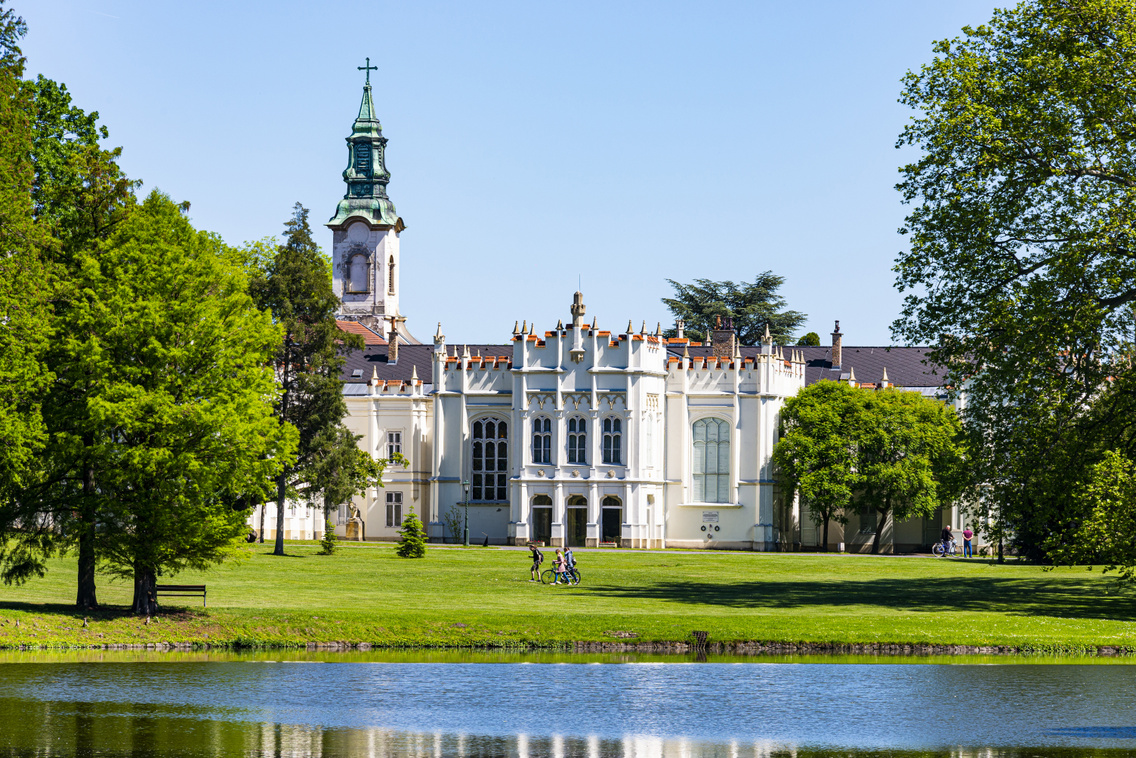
pixel 537 559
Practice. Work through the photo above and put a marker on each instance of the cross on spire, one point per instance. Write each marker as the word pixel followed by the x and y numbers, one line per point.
pixel 368 68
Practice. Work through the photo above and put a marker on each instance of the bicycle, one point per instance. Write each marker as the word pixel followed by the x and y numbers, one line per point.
pixel 572 576
pixel 940 548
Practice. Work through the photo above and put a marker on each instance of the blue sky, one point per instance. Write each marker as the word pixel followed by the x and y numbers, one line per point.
pixel 532 145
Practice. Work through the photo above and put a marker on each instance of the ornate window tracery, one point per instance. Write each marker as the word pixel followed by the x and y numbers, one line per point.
pixel 542 440
pixel 612 440
pixel 578 440
pixel 489 460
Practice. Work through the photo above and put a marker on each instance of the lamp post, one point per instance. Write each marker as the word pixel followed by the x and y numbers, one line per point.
pixel 465 490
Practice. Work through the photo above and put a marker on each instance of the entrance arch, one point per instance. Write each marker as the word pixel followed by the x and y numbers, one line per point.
pixel 576 526
pixel 542 519
pixel 611 519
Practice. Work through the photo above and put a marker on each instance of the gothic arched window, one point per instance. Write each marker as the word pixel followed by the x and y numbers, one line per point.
pixel 612 440
pixel 578 440
pixel 489 460
pixel 542 440
pixel 711 461
pixel 357 279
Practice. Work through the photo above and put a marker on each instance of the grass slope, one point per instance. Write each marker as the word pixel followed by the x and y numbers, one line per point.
pixel 457 597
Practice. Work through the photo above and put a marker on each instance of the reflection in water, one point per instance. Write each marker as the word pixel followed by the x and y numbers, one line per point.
pixel 446 709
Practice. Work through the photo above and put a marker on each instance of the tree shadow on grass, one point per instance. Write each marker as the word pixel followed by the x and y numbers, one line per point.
pixel 1068 598
pixel 102 613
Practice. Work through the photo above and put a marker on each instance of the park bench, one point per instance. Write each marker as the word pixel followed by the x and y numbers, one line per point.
pixel 183 590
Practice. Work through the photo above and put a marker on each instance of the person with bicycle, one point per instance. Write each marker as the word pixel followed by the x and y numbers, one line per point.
pixel 558 565
pixel 948 540
pixel 537 559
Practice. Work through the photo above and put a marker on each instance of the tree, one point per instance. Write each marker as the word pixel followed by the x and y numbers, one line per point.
pixel 1106 519
pixel 297 289
pixel 752 306
pixel 908 456
pixel 78 197
pixel 1021 270
pixel 180 407
pixel 412 543
pixel 812 339
pixel 816 456
pixel 23 315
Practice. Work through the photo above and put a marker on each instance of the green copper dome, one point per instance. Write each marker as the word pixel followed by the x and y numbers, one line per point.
pixel 366 173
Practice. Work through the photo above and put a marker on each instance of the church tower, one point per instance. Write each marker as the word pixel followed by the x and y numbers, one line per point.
pixel 365 228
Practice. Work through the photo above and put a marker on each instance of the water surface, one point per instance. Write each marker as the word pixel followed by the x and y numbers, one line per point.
pixel 328 707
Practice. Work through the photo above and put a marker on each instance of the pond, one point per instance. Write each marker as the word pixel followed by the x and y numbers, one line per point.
pixel 343 706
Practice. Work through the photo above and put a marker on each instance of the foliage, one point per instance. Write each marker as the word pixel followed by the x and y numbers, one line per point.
pixel 453 522
pixel 329 541
pixel 296 288
pixel 179 428
pixel 1106 523
pixel 24 313
pixel 816 456
pixel 812 339
pixel 1021 269
pixel 909 456
pixel 752 306
pixel 412 542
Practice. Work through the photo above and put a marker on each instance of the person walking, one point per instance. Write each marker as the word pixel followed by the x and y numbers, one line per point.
pixel 967 535
pixel 558 567
pixel 537 559
pixel 569 564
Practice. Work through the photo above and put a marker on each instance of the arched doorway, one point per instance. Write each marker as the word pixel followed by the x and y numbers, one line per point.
pixel 542 519
pixel 576 528
pixel 611 519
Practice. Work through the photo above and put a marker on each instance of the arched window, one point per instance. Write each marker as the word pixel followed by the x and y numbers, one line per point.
pixel 711 461
pixel 577 440
pixel 542 440
pixel 612 440
pixel 390 278
pixel 489 460
pixel 357 274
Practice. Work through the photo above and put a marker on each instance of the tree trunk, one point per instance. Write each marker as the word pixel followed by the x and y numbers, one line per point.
pixel 145 595
pixel 281 491
pixel 260 534
pixel 824 537
pixel 880 523
pixel 85 596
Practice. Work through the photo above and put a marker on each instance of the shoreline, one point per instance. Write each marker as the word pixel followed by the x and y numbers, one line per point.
pixel 741 649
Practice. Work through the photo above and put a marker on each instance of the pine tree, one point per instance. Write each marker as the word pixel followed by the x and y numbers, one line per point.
pixel 413 541
pixel 297 289
pixel 329 542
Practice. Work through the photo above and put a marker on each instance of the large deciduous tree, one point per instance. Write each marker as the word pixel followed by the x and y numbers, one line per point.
pixel 752 306
pixel 816 456
pixel 1022 262
pixel 909 456
pixel 296 288
pixel 180 407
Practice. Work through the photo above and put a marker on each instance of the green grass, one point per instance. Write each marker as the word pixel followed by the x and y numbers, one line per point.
pixel 482 597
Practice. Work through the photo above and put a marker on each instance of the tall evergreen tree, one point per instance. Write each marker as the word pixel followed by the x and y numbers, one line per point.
pixel 24 327
pixel 751 305
pixel 297 289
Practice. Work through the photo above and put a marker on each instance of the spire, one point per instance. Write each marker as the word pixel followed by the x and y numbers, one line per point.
pixel 852 375
pixel 885 381
pixel 630 327
pixel 366 173
pixel 659 329
pixel 414 374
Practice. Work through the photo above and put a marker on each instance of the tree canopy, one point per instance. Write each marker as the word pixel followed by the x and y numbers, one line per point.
pixel 296 289
pixel 1021 270
pixel 751 305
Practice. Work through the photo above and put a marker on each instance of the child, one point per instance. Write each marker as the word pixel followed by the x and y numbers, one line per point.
pixel 558 565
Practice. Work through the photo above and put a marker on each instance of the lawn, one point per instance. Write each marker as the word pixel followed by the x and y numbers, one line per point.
pixel 483 597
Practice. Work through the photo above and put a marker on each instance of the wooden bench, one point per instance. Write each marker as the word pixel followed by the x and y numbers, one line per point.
pixel 183 590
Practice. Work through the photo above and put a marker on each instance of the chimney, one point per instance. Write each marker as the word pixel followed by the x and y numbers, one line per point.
pixel 837 337
pixel 392 342
pixel 723 339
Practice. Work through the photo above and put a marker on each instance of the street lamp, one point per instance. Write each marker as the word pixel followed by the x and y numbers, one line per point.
pixel 465 489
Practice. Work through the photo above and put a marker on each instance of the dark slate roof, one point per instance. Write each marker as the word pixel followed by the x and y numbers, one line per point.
pixel 905 365
pixel 410 357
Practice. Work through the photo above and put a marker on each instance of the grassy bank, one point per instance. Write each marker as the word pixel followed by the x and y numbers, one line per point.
pixel 482 597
